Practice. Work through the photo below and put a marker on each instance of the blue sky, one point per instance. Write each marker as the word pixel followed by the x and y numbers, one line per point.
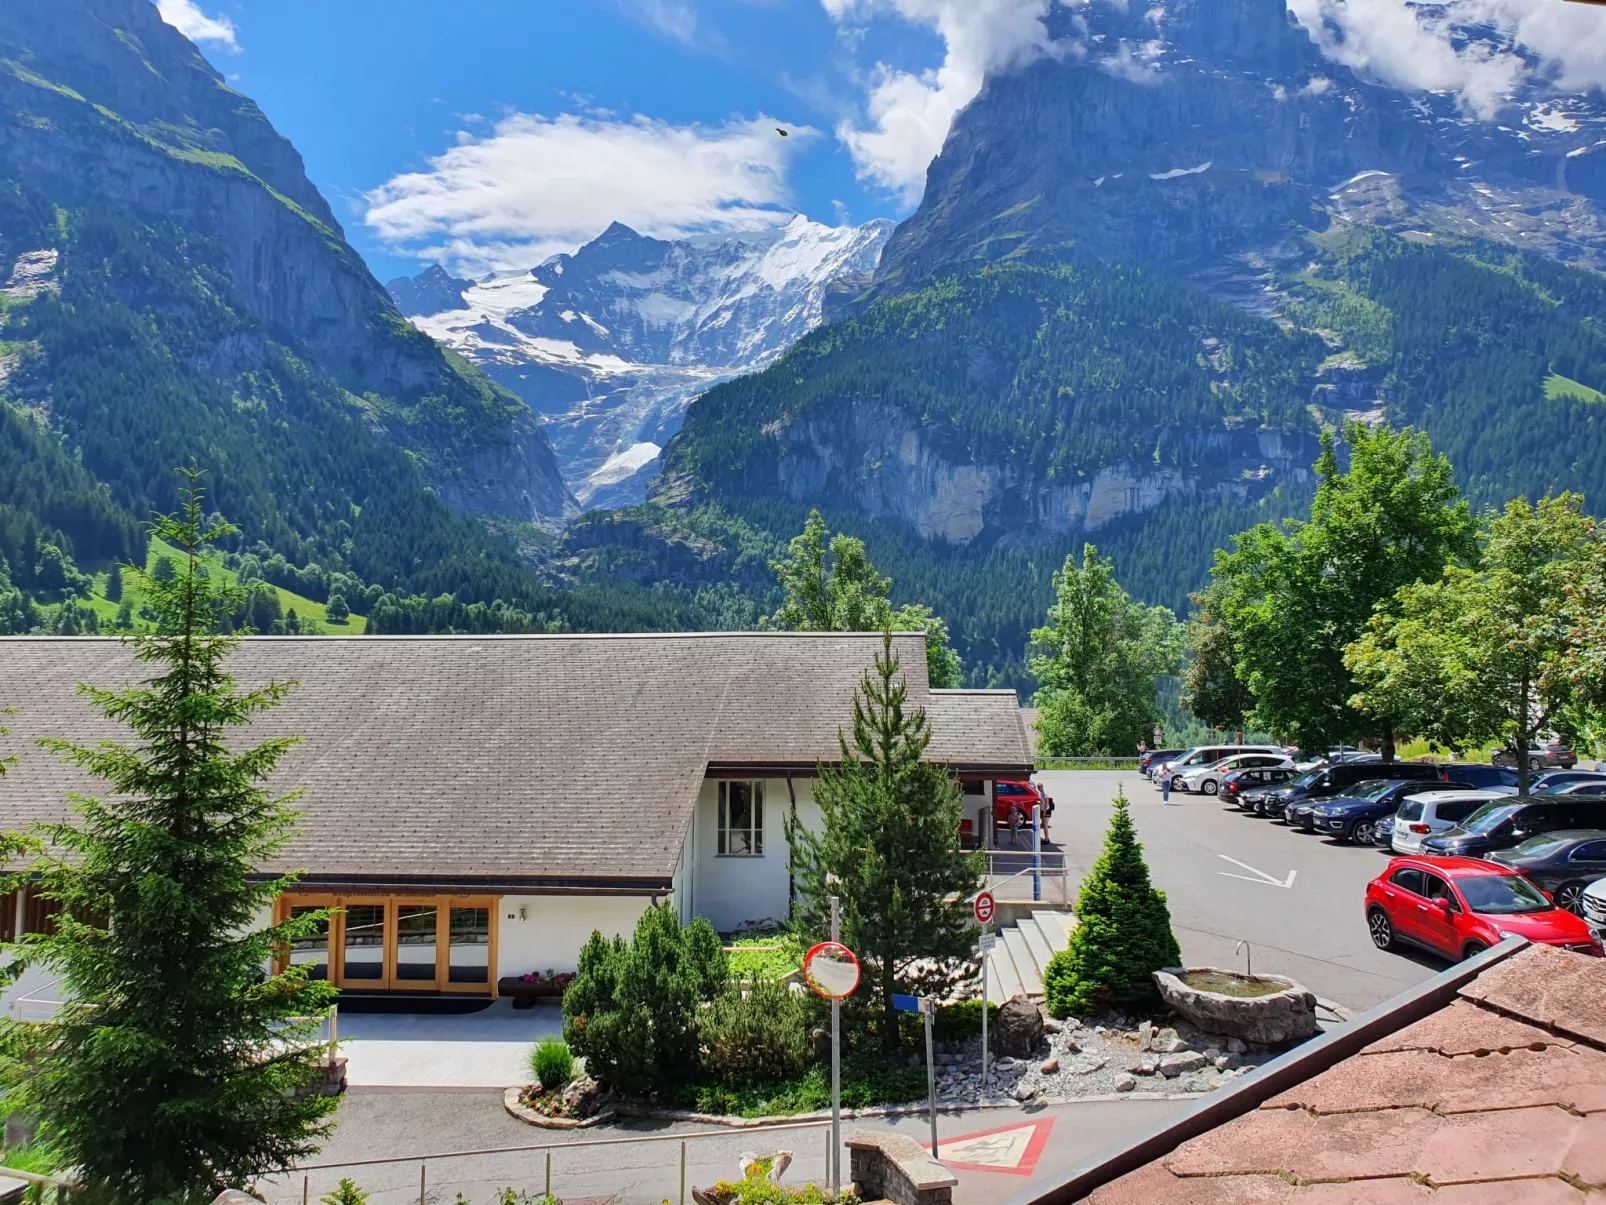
pixel 489 133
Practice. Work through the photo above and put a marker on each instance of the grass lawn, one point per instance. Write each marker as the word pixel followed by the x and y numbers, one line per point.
pixel 1416 749
pixel 1560 388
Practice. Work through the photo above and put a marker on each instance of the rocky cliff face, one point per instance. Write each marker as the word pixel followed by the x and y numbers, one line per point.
pixel 107 106
pixel 611 343
pixel 1199 134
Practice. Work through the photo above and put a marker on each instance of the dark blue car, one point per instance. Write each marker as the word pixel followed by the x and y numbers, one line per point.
pixel 1355 815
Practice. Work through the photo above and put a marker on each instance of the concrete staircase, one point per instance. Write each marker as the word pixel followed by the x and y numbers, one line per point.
pixel 1022 954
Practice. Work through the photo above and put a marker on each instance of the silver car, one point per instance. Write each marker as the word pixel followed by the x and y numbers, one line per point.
pixel 1428 812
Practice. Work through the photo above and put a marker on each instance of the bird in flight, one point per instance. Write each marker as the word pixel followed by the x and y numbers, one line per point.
pixel 781 132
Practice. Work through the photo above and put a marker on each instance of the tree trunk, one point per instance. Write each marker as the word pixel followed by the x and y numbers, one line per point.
pixel 1523 741
pixel 1387 744
pixel 889 1011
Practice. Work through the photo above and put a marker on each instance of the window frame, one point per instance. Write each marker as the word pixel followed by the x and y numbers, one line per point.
pixel 754 830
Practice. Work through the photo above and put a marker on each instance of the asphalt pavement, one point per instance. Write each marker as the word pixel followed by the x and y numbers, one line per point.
pixel 1228 877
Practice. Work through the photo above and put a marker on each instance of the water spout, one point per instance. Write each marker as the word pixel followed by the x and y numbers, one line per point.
pixel 1249 957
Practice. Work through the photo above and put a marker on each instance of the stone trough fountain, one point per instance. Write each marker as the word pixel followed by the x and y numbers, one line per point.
pixel 1256 1008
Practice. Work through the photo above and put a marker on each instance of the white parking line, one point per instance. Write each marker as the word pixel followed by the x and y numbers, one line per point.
pixel 1261 875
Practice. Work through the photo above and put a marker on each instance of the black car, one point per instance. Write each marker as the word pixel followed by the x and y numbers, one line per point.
pixel 1561 863
pixel 1145 760
pixel 1355 815
pixel 1481 776
pixel 1504 823
pixel 1325 782
pixel 1242 787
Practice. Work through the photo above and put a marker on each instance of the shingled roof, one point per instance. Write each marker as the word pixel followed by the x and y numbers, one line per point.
pixel 556 760
pixel 1498 1097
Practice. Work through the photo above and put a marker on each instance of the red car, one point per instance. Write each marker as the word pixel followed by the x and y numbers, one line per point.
pixel 1459 907
pixel 1020 797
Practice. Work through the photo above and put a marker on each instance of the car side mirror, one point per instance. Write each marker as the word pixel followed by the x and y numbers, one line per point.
pixel 1442 902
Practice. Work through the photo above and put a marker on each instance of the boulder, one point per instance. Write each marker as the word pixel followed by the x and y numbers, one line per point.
pixel 585 1096
pixel 776 1161
pixel 1019 1028
pixel 1173 1065
pixel 1024 1092
pixel 1125 1083
pixel 1283 1012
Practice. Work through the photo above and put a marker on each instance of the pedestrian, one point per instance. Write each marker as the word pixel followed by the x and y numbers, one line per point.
pixel 1165 784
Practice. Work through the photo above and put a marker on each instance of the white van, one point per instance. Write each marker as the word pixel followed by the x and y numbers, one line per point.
pixel 1422 815
pixel 1207 755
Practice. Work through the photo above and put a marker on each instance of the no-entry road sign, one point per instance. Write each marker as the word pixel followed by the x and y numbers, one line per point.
pixel 984 907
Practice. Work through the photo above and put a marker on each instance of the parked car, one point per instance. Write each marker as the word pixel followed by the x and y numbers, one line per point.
pixel 1154 758
pixel 1553 781
pixel 1595 906
pixel 1346 753
pixel 1541 756
pixel 1482 775
pixel 1503 823
pixel 1427 812
pixel 1019 797
pixel 1353 815
pixel 1597 787
pixel 1561 864
pixel 1205 755
pixel 1241 787
pixel 1459 907
pixel 1206 780
pixel 1324 783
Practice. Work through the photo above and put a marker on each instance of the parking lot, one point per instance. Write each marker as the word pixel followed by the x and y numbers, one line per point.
pixel 1228 876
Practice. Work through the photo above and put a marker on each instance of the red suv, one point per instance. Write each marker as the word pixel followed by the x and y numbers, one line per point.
pixel 1459 907
pixel 1019 797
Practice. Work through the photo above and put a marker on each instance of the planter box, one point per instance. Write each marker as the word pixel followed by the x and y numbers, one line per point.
pixel 525 994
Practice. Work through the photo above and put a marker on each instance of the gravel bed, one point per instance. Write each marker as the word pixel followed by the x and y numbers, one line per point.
pixel 1098 1057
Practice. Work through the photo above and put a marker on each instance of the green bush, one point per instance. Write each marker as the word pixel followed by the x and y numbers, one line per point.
pixel 867 1080
pixel 961 1020
pixel 551 1064
pixel 631 1011
pixel 345 1193
pixel 757 1037
pixel 1123 931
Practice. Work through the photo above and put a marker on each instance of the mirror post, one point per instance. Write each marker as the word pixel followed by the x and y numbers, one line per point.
pixel 836 1064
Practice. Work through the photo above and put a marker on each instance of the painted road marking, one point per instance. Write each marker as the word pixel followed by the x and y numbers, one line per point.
pixel 1260 875
pixel 1012 1149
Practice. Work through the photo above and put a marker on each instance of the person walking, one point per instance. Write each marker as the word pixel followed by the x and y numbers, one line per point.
pixel 1165 785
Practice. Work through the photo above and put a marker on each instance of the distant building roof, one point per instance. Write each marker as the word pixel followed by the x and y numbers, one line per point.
pixel 555 760
pixel 1498 1097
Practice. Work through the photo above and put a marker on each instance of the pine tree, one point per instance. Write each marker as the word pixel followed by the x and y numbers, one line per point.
pixel 114 583
pixel 1123 930
pixel 889 832
pixel 174 1073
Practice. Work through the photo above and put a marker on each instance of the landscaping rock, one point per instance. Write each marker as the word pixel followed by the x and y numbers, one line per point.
pixel 1146 1035
pixel 778 1162
pixel 1173 1065
pixel 1228 1062
pixel 1024 1092
pixel 1196 1084
pixel 1236 1046
pixel 1050 1025
pixel 1146 1066
pixel 1088 1067
pixel 1019 1028
pixel 1126 1083
pixel 1050 1067
pixel 820 1039
pixel 585 1096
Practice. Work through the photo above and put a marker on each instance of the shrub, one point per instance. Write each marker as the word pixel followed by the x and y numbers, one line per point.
pixel 1123 931
pixel 345 1193
pixel 551 1064
pixel 961 1020
pixel 631 1011
pixel 758 1037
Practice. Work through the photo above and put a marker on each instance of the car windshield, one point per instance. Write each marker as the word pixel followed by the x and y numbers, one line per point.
pixel 1489 816
pixel 1370 790
pixel 1540 846
pixel 1501 894
pixel 1310 776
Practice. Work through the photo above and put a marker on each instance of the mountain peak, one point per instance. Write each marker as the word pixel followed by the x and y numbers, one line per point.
pixel 432 291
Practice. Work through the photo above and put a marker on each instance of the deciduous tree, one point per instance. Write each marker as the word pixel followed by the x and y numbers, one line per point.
pixel 1294 595
pixel 1213 690
pixel 1097 661
pixel 1485 653
pixel 889 837
pixel 175 1070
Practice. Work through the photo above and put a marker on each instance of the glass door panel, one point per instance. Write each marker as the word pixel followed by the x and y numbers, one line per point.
pixel 416 944
pixel 363 946
pixel 311 951
pixel 468 956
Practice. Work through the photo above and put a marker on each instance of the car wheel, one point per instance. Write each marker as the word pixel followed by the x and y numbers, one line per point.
pixel 1473 949
pixel 1535 763
pixel 1361 834
pixel 1571 897
pixel 1381 929
pixel 1210 787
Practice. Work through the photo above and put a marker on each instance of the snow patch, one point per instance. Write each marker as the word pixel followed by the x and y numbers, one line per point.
pixel 1179 171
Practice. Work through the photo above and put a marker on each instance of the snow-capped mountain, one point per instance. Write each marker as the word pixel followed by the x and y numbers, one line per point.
pixel 611 343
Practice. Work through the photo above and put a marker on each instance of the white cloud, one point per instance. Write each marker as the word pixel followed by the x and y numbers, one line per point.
pixel 1416 47
pixel 187 17
pixel 538 185
pixel 676 19
pixel 908 113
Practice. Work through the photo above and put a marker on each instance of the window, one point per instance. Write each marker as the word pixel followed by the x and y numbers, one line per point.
pixel 469 946
pixel 1455 813
pixel 741 819
pixel 1408 879
pixel 1436 888
pixel 1590 851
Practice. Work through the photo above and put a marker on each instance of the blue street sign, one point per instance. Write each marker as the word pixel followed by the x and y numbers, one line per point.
pixel 906 1004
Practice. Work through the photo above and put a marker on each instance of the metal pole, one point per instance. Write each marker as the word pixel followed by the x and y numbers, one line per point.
pixel 423 1173
pixel 549 1171
pixel 928 1005
pixel 984 956
pixel 306 1189
pixel 836 1063
pixel 1037 853
pixel 682 1171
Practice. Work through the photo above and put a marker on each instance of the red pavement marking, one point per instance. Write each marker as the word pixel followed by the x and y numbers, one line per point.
pixel 1028 1159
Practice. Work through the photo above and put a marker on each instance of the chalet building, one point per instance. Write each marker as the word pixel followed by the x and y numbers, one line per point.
pixel 477 806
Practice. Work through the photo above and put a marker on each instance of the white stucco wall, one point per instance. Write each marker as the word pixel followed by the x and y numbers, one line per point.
pixel 733 892
pixel 554 927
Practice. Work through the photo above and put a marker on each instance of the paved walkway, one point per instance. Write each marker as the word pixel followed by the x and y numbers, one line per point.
pixel 992 1155
pixel 485 1049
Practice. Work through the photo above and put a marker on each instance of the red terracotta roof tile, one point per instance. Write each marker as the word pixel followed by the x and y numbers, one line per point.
pixel 1586 1160
pixel 1464 1028
pixel 1549 987
pixel 1501 1145
pixel 1548 1191
pixel 1153 1185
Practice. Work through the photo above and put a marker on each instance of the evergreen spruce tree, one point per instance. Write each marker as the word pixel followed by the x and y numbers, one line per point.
pixel 890 833
pixel 174 1072
pixel 114 583
pixel 1123 931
